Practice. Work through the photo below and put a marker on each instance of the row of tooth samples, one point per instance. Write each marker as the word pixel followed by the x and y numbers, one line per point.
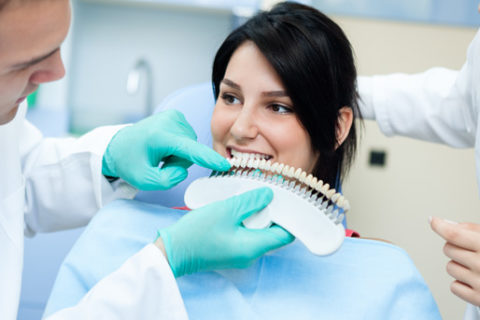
pixel 290 172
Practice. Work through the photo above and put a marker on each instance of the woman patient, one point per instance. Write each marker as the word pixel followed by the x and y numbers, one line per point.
pixel 284 84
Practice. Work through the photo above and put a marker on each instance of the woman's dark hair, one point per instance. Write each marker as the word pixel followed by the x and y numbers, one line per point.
pixel 314 59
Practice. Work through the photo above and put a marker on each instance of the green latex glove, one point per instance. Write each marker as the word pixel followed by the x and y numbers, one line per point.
pixel 135 152
pixel 213 237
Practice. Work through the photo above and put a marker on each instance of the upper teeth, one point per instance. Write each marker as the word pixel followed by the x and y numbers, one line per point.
pixel 241 155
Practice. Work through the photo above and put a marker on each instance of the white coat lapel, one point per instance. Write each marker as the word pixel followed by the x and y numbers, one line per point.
pixel 12 202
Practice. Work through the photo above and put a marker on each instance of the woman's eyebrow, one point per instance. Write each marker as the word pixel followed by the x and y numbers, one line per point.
pixel 278 93
pixel 232 84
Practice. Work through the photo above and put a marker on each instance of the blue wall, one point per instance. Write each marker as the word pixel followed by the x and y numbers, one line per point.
pixel 456 12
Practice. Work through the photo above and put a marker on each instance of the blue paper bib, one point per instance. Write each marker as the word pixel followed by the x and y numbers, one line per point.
pixel 364 279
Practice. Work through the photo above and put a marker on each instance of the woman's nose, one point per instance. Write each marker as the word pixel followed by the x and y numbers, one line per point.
pixel 245 125
pixel 49 70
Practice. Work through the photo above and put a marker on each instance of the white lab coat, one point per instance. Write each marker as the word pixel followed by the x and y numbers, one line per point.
pixel 439 105
pixel 53 184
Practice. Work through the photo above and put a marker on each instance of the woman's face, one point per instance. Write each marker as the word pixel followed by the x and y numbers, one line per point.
pixel 254 116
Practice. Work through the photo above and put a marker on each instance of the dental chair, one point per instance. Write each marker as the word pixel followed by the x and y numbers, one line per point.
pixel 364 279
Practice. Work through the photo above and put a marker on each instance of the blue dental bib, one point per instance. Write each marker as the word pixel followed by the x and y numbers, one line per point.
pixel 364 279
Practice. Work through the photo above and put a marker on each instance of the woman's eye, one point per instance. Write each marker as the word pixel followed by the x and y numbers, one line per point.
pixel 278 108
pixel 230 99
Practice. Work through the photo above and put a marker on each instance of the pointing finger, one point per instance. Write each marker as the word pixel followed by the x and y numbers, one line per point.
pixel 199 154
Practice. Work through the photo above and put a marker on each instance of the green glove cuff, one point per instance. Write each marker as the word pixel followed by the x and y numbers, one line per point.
pixel 167 243
pixel 108 167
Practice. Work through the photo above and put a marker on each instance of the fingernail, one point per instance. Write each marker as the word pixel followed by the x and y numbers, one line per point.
pixel 449 221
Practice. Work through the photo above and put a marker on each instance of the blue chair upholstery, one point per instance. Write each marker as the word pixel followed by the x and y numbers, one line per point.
pixel 196 102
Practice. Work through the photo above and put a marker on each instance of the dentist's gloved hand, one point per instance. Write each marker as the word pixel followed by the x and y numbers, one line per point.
pixel 135 152
pixel 213 237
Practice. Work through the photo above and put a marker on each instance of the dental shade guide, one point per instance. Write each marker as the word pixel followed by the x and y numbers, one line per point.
pixel 302 204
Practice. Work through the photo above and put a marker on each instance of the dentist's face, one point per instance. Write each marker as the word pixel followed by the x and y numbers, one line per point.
pixel 30 36
pixel 254 114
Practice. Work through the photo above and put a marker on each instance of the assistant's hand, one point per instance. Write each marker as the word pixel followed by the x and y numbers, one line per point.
pixel 213 236
pixel 135 152
pixel 463 247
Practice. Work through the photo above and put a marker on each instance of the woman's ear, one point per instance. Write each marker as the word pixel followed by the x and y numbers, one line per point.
pixel 345 120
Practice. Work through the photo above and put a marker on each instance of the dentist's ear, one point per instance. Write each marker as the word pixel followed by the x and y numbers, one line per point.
pixel 345 120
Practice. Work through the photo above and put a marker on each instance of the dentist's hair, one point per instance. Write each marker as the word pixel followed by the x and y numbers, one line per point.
pixel 314 59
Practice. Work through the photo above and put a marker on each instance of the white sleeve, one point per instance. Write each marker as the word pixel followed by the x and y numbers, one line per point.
pixel 472 313
pixel 438 105
pixel 63 179
pixel 431 106
pixel 142 288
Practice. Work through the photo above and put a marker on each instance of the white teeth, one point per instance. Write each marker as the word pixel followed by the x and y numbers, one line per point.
pixel 285 170
pixel 302 177
pixel 250 163
pixel 242 155
pixel 291 172
pixel 297 173
pixel 243 163
pixel 330 193
pixel 324 188
pixel 335 197
pixel 280 168
pixel 313 183
pixel 308 180
pixel 262 164
pixel 274 167
pixel 268 165
pixel 341 201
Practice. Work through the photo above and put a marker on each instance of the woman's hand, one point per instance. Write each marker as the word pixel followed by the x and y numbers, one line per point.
pixel 463 248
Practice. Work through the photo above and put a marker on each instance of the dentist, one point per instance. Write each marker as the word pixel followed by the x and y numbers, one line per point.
pixel 53 184
pixel 438 105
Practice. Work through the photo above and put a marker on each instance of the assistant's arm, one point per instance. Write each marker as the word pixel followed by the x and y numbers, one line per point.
pixel 438 105
pixel 63 179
